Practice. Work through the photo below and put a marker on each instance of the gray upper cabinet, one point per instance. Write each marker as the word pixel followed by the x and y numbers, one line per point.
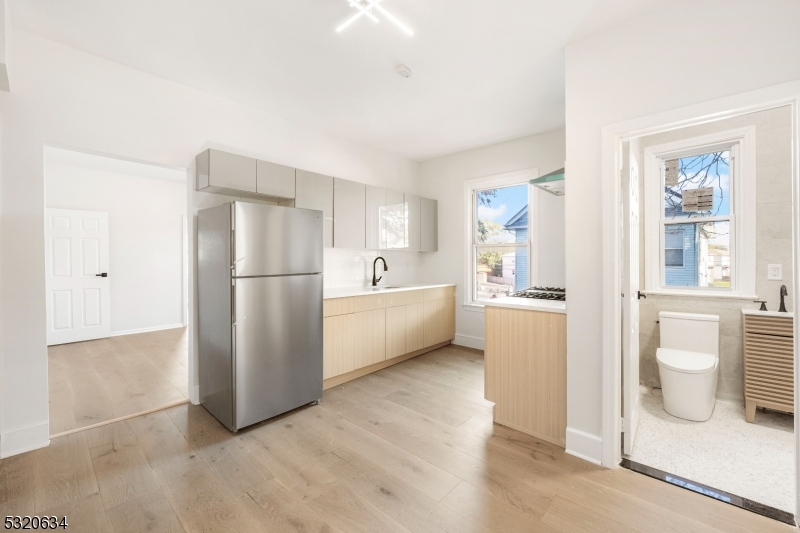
pixel 355 215
pixel 275 180
pixel 315 191
pixel 376 202
pixel 393 221
pixel 219 171
pixel 412 233
pixel 429 231
pixel 349 214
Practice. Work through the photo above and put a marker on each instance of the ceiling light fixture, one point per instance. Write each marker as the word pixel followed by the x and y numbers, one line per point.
pixel 365 9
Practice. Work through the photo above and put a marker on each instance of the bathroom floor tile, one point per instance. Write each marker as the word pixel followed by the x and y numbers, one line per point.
pixel 755 461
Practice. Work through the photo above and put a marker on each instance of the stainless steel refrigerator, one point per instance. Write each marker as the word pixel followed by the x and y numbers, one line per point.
pixel 259 276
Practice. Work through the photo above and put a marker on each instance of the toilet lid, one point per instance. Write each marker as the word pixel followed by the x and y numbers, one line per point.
pixel 686 362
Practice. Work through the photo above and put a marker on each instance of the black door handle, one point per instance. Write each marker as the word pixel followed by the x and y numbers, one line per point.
pixel 103 275
pixel 641 295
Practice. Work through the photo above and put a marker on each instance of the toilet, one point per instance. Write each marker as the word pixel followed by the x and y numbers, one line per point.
pixel 688 364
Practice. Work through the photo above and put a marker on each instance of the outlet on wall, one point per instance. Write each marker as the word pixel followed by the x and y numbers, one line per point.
pixel 775 272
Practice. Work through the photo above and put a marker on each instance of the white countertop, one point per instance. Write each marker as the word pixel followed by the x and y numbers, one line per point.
pixel 362 290
pixel 767 313
pixel 530 304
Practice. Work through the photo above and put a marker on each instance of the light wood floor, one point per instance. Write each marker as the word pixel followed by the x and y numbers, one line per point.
pixel 410 448
pixel 96 381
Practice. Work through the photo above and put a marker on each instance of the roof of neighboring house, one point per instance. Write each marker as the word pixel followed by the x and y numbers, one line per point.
pixel 520 220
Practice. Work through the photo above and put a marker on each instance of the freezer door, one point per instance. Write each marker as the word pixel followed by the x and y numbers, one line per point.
pixel 271 240
pixel 278 348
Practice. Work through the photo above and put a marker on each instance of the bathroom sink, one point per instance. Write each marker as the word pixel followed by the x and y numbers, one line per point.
pixel 383 288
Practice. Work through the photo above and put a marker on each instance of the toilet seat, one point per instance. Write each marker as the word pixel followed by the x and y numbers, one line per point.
pixel 686 362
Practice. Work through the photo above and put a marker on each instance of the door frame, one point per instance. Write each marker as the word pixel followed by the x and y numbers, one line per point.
pixel 612 138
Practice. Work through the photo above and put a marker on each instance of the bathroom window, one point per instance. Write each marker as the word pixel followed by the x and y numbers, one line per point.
pixel 700 216
pixel 499 236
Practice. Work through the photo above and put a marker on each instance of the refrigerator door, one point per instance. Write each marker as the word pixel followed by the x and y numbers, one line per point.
pixel 278 345
pixel 271 240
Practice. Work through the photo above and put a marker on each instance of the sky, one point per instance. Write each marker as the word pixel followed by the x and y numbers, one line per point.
pixel 506 204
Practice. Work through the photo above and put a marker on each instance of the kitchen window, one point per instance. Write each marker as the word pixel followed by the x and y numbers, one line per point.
pixel 499 236
pixel 700 216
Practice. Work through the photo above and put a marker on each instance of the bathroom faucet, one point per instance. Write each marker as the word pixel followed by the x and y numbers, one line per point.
pixel 784 292
pixel 374 265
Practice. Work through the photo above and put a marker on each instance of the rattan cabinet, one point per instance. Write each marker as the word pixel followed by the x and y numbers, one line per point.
pixel 768 361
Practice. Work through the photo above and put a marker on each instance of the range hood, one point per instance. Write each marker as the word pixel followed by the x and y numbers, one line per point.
pixel 552 183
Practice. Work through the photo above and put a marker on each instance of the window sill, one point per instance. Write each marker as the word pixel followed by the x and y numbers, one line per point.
pixel 703 294
pixel 474 308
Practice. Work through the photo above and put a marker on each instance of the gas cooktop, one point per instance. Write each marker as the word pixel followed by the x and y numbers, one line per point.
pixel 543 293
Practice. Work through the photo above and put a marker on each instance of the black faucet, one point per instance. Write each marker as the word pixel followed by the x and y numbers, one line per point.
pixel 374 265
pixel 784 292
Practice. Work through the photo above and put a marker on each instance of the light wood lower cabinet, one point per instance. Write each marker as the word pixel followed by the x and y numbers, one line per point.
pixel 369 337
pixel 439 321
pixel 526 371
pixel 415 326
pixel 396 331
pixel 365 333
pixel 768 363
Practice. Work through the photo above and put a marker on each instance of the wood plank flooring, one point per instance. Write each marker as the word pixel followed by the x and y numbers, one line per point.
pixel 411 448
pixel 96 381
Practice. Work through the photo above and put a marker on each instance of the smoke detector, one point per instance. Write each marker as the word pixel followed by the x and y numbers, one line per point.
pixel 404 71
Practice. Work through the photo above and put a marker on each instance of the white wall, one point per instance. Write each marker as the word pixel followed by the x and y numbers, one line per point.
pixel 145 218
pixel 65 97
pixel 682 53
pixel 443 179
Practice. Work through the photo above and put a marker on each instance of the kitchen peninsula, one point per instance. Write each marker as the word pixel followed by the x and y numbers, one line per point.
pixel 366 329
pixel 526 365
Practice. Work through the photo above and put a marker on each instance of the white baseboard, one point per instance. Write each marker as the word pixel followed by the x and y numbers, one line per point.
pixel 144 330
pixel 24 439
pixel 584 446
pixel 470 342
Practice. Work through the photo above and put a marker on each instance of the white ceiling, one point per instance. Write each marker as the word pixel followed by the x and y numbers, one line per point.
pixel 484 71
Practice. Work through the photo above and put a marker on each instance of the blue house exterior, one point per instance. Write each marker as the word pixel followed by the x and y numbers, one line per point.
pixel 680 255
pixel 518 224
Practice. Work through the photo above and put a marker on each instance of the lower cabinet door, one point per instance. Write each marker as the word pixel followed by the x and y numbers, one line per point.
pixel 369 337
pixel 338 356
pixel 439 321
pixel 415 327
pixel 396 326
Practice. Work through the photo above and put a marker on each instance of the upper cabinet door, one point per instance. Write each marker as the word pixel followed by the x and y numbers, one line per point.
pixel 275 180
pixel 349 214
pixel 231 171
pixel 376 204
pixel 429 231
pixel 412 233
pixel 315 191
pixel 393 221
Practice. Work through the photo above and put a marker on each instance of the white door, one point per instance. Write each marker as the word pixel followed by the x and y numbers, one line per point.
pixel 77 283
pixel 630 289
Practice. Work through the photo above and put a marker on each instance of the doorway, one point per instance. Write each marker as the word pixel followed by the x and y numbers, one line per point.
pixel 116 288
pixel 673 444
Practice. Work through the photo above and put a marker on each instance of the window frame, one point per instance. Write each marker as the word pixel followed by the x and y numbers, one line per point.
pixel 742 217
pixel 508 179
